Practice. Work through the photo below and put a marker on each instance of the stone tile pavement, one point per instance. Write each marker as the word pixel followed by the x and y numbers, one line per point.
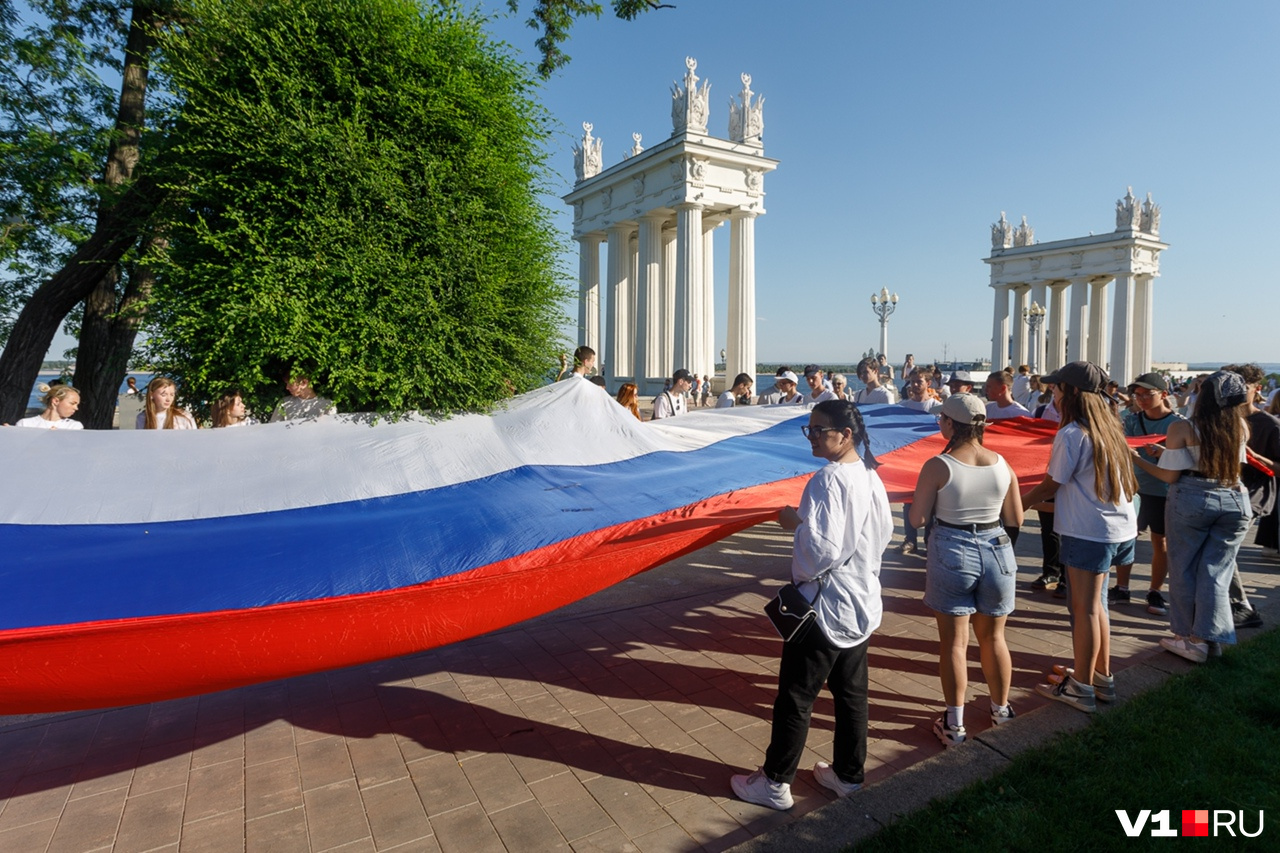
pixel 611 725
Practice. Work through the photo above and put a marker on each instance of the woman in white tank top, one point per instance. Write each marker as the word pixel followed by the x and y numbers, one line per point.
pixel 971 492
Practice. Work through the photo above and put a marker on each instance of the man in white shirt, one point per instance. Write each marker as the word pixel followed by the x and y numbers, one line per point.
pixel 961 382
pixel 999 390
pixel 817 385
pixel 918 395
pixel 869 373
pixel 668 404
pixel 784 392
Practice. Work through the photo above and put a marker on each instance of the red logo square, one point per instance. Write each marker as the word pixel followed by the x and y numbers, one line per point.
pixel 1195 822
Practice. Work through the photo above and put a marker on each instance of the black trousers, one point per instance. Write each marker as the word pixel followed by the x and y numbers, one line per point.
pixel 1049 544
pixel 806 664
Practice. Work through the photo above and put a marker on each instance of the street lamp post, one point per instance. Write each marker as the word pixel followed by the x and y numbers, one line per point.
pixel 1034 317
pixel 883 304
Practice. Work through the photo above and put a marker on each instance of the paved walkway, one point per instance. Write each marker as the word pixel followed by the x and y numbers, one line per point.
pixel 613 725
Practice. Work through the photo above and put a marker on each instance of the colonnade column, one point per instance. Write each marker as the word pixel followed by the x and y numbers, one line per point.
pixel 740 349
pixel 688 326
pixel 1000 327
pixel 1121 368
pixel 1142 327
pixel 648 301
pixel 589 291
pixel 1037 335
pixel 1097 350
pixel 1055 343
pixel 1078 325
pixel 668 300
pixel 618 321
pixel 1020 304
pixel 707 358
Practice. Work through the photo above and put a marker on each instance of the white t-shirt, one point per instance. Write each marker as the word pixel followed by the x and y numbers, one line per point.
pixel 726 400
pixel 847 525
pixel 38 422
pixel 1050 413
pixel 1016 410
pixel 826 394
pixel 292 408
pixel 1021 387
pixel 182 422
pixel 927 405
pixel 874 395
pixel 668 404
pixel 1079 513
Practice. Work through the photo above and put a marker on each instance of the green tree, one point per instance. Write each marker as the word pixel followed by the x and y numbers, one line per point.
pixel 554 19
pixel 361 178
pixel 71 207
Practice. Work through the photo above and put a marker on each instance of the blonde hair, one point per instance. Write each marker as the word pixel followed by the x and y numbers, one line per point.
pixel 1113 475
pixel 54 394
pixel 175 411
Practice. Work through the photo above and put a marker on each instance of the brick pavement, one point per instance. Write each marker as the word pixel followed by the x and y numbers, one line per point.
pixel 613 725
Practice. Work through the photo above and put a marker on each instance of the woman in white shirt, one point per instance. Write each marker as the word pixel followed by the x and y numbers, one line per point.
pixel 160 411
pixel 60 403
pixel 1207 514
pixel 1093 481
pixel 971 492
pixel 842 527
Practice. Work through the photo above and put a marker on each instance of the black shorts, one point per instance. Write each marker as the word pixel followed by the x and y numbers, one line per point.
pixel 1151 514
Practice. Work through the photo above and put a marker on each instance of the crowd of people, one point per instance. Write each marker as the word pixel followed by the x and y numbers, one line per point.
pixel 160 409
pixel 1197 484
pixel 1197 470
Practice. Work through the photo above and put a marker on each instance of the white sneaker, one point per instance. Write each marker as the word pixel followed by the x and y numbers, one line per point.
pixel 827 778
pixel 949 735
pixel 1184 648
pixel 763 791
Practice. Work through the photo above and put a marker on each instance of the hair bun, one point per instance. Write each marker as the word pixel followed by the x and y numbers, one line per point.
pixel 44 388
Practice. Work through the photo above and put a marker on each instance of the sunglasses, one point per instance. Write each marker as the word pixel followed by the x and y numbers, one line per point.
pixel 816 431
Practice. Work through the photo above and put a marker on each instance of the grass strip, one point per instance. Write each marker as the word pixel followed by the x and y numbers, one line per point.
pixel 1209 739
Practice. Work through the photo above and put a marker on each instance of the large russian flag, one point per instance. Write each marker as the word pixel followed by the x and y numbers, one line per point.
pixel 138 566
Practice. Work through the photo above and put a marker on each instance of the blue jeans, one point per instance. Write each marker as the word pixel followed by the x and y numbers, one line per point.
pixel 1204 526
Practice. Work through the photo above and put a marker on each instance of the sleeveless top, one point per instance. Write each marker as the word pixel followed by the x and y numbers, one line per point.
pixel 974 494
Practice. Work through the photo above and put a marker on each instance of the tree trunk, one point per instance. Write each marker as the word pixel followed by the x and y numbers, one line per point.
pixel 106 342
pixel 94 264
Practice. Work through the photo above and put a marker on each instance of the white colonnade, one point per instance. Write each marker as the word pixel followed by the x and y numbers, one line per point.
pixel 656 213
pixel 1072 280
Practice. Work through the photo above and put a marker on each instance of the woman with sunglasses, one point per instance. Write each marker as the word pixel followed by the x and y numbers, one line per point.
pixel 841 529
pixel 971 493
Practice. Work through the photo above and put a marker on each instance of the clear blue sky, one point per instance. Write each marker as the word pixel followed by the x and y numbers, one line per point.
pixel 904 129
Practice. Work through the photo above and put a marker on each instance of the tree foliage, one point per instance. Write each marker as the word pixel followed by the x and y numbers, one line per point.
pixel 55 128
pixel 554 19
pixel 361 178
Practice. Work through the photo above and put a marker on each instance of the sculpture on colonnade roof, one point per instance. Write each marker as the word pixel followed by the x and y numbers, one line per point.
pixel 635 149
pixel 746 120
pixel 1128 213
pixel 689 103
pixel 1024 234
pixel 1151 217
pixel 588 157
pixel 1001 233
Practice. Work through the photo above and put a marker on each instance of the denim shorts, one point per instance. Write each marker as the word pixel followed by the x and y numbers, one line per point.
pixel 1095 557
pixel 969 573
